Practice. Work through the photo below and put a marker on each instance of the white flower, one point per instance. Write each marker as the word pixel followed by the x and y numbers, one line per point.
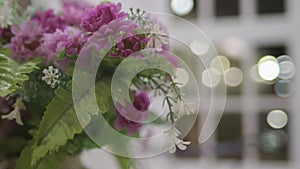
pixel 16 114
pixel 51 76
pixel 175 142
pixel 157 38
pixel 5 14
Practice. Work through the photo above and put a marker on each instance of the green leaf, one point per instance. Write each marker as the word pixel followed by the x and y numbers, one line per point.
pixel 124 162
pixel 13 75
pixel 50 161
pixel 62 54
pixel 60 122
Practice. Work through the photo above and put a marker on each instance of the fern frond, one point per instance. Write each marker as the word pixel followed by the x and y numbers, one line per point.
pixel 13 75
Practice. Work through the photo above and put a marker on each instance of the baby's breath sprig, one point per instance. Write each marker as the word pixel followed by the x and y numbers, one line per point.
pixel 139 18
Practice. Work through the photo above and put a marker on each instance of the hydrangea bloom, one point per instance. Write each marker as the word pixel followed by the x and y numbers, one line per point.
pixel 141 103
pixel 26 41
pixel 71 40
pixel 73 10
pixel 49 21
pixel 103 14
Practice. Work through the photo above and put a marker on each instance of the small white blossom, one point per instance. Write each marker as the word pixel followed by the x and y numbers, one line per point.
pixel 51 76
pixel 6 16
pixel 175 142
pixel 158 38
pixel 16 114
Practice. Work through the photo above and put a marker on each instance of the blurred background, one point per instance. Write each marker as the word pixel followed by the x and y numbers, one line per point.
pixel 258 44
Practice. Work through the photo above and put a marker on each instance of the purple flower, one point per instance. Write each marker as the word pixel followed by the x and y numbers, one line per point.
pixel 71 40
pixel 108 35
pixel 5 35
pixel 128 118
pixel 73 10
pixel 103 14
pixel 49 21
pixel 129 45
pixel 122 122
pixel 141 101
pixel 26 41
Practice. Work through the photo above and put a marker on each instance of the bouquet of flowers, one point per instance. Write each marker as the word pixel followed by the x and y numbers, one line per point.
pixel 66 79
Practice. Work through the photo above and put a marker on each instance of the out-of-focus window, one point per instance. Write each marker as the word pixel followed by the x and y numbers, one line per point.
pixel 265 87
pixel 229 136
pixel 270 6
pixel 273 135
pixel 227 8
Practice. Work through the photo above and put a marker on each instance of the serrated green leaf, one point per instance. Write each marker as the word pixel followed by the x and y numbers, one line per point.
pixel 50 161
pixel 13 75
pixel 60 122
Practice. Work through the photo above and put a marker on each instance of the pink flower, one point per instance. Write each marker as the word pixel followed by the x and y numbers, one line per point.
pixel 127 117
pixel 26 41
pixel 103 14
pixel 73 10
pixel 71 40
pixel 49 21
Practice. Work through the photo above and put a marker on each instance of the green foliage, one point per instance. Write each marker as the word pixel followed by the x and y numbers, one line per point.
pixel 13 75
pixel 50 161
pixel 125 163
pixel 54 160
pixel 60 122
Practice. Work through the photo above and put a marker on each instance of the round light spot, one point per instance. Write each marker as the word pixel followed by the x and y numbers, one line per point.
pixel 283 88
pixel 234 47
pixel 182 7
pixel 181 77
pixel 284 58
pixel 277 119
pixel 233 77
pixel 200 47
pixel 268 68
pixel 221 64
pixel 287 68
pixel 272 141
pixel 254 74
pixel 210 78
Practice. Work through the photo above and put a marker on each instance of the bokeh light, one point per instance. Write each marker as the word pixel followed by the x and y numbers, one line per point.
pixel 181 77
pixel 210 77
pixel 200 47
pixel 233 77
pixel 283 88
pixel 254 74
pixel 234 47
pixel 221 64
pixel 268 68
pixel 277 119
pixel 272 141
pixel 287 67
pixel 182 8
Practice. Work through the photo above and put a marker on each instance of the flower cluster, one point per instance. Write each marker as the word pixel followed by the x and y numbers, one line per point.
pixel 103 14
pixel 43 52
